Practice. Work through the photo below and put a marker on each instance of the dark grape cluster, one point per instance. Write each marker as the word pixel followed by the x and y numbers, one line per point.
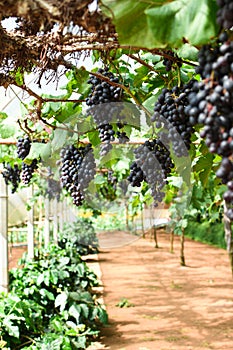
pixel 225 14
pixel 104 109
pixel 136 175
pixel 170 113
pixel 11 176
pixel 23 148
pixel 104 93
pixel 210 104
pixel 153 164
pixel 28 171
pixel 77 169
pixel 168 63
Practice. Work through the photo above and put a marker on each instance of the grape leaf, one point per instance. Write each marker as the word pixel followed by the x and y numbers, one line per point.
pixel 6 130
pixel 39 150
pixel 194 21
pixel 162 23
pixel 59 139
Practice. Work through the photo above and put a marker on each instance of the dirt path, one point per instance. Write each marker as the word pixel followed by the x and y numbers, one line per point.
pixel 175 308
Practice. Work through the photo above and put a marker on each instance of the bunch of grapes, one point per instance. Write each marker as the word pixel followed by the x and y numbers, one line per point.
pixel 136 175
pixel 211 103
pixel 168 63
pixel 170 113
pixel 23 148
pixel 225 14
pixel 153 164
pixel 28 171
pixel 11 176
pixel 77 170
pixel 102 107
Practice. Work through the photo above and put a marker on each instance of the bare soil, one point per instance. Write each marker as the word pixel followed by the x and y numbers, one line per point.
pixel 170 307
pixel 173 307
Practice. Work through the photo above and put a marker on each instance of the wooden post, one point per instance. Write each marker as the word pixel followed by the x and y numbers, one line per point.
pixel 46 223
pixel 228 235
pixel 55 220
pixel 172 241
pixel 4 278
pixel 61 215
pixel 126 216
pixel 182 258
pixel 155 237
pixel 30 225
pixel 142 221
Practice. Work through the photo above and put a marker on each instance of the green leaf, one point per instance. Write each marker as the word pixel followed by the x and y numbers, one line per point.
pixel 102 314
pixel 150 102
pixel 82 76
pixel 59 139
pixel 85 310
pixel 47 294
pixel 19 79
pixel 121 165
pixel 39 150
pixel 204 163
pixel 193 20
pixel 94 137
pixel 188 52
pixel 99 179
pixel 162 23
pixel 3 116
pixel 7 130
pixel 176 181
pixel 12 330
pixel 75 311
pixel 61 301
pixel 126 14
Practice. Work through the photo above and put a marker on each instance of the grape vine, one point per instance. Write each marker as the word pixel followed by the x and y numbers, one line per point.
pixel 210 104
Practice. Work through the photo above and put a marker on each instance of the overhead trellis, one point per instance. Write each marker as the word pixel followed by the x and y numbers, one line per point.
pixel 45 31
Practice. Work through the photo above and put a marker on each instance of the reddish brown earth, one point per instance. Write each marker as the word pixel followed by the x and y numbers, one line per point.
pixel 172 307
pixel 14 254
pixel 175 307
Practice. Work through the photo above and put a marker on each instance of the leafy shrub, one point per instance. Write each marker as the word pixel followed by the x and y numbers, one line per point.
pixel 81 235
pixel 51 304
pixel 206 232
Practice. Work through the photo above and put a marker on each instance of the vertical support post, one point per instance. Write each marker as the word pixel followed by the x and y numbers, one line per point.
pixel 39 226
pixel 228 235
pixel 30 225
pixel 182 258
pixel 4 278
pixel 46 223
pixel 61 216
pixel 55 220
pixel 155 236
pixel 126 216
pixel 142 220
